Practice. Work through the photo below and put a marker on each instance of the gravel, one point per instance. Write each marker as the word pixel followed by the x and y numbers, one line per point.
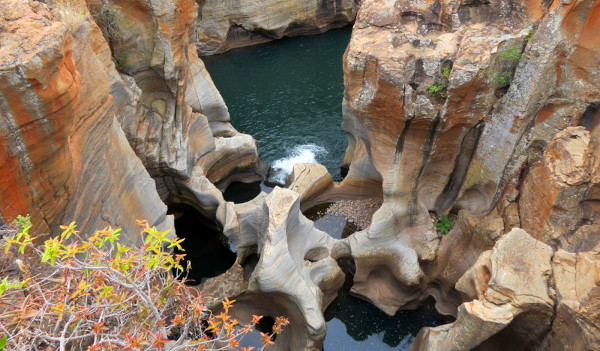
pixel 358 212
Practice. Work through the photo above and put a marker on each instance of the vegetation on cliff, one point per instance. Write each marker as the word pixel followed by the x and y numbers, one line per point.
pixel 97 294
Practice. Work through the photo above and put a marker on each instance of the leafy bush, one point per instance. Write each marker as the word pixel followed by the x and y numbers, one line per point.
pixel 508 60
pixel 436 88
pixel 97 294
pixel 439 88
pixel 444 224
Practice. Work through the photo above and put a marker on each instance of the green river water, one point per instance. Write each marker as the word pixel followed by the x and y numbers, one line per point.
pixel 288 95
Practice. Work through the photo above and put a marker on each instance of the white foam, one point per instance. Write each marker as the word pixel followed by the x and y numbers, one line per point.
pixel 282 167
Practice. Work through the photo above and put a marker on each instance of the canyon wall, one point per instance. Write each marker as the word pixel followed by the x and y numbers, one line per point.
pixel 64 155
pixel 223 25
pixel 484 110
pixel 487 111
pixel 108 114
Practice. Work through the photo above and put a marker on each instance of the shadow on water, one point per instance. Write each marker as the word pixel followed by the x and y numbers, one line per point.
pixel 354 324
pixel 208 250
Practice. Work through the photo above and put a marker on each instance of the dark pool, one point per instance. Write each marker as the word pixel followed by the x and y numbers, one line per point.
pixel 354 324
pixel 208 250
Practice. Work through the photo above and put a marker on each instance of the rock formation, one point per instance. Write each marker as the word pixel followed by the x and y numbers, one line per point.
pixel 64 154
pixel 507 287
pixel 284 267
pixel 488 110
pixel 72 124
pixel 484 110
pixel 225 25
pixel 449 106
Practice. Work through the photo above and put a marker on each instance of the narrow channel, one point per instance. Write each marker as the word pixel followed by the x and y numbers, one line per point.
pixel 288 94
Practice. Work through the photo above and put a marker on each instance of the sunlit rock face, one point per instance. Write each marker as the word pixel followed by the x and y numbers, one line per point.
pixel 507 292
pixel 460 105
pixel 223 25
pixel 64 156
pixel 85 100
pixel 179 126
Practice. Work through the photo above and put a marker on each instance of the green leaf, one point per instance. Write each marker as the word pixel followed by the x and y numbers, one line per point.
pixel 443 225
pixel 3 285
pixel 2 342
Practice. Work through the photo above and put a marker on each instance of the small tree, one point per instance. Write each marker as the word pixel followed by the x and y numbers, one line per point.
pixel 97 294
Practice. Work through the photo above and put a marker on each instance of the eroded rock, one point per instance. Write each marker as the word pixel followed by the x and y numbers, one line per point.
pixel 556 211
pixel 288 266
pixel 64 155
pixel 509 287
pixel 224 25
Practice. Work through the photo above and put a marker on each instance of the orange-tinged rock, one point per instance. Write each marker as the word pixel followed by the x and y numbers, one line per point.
pixel 63 152
pixel 556 188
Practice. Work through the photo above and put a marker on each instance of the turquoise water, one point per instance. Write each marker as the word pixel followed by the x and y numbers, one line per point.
pixel 288 94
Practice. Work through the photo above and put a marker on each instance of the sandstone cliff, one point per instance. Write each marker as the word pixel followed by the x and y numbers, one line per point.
pixel 223 25
pixel 64 154
pixel 488 110
pixel 108 113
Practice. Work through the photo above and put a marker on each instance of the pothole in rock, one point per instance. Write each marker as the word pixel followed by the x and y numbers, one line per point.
pixel 238 192
pixel 340 219
pixel 354 324
pixel 209 252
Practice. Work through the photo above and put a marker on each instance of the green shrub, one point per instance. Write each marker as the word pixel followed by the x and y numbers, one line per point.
pixel 120 60
pixel 439 88
pixel 508 60
pixel 444 224
pixel 434 89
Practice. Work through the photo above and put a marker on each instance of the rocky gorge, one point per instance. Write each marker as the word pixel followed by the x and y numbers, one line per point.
pixel 485 110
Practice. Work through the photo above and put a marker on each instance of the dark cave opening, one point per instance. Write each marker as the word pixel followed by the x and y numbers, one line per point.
pixel 589 118
pixel 207 250
pixel 355 324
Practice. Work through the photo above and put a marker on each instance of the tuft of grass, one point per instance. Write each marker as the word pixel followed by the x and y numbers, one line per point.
pixel 71 12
